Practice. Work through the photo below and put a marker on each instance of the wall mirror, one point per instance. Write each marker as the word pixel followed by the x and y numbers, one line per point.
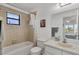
pixel 70 27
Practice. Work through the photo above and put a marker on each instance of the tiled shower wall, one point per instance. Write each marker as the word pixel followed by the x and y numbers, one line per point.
pixel 18 33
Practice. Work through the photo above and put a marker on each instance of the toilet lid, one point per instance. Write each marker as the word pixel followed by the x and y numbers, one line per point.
pixel 42 39
pixel 36 49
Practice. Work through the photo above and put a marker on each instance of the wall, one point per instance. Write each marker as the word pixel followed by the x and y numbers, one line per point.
pixel 57 21
pixel 43 33
pixel 14 33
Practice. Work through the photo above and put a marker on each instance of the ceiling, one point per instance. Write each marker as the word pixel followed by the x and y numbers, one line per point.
pixel 32 6
pixel 52 8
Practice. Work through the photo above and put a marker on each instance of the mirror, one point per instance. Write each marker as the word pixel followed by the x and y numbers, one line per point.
pixel 70 27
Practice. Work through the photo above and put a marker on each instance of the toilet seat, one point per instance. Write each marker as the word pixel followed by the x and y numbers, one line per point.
pixel 36 51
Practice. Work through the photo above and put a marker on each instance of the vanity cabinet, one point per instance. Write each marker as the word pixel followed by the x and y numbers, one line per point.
pixel 55 51
pixel 52 51
pixel 67 53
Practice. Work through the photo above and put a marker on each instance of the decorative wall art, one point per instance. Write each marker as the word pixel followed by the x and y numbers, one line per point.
pixel 43 23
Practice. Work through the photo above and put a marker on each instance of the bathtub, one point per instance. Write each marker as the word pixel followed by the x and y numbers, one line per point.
pixel 18 49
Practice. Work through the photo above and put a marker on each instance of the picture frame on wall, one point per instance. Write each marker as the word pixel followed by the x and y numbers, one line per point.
pixel 43 23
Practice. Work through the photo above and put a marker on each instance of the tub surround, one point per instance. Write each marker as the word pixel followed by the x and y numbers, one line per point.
pixel 13 34
pixel 67 47
pixel 18 49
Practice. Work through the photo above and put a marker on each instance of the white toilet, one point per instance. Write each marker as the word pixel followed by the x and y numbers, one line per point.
pixel 40 47
pixel 36 51
pixel 40 43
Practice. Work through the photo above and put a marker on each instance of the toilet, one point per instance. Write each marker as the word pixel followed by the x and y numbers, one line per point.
pixel 40 43
pixel 40 47
pixel 36 51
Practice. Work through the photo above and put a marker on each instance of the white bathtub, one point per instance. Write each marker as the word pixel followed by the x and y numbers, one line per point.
pixel 18 49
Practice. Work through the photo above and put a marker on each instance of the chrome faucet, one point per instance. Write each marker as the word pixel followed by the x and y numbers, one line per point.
pixel 13 41
pixel 64 41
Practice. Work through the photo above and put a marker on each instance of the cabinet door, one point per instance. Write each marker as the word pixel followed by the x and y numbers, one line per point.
pixel 67 53
pixel 52 51
pixel 49 53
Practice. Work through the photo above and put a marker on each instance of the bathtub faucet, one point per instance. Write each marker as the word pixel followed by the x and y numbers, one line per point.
pixel 13 41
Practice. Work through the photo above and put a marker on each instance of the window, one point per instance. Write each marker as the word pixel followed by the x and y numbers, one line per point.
pixel 13 19
pixel 69 28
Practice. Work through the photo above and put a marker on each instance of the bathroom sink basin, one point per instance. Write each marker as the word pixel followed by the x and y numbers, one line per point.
pixel 65 45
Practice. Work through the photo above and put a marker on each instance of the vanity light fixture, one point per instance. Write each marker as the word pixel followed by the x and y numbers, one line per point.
pixel 64 4
pixel 67 21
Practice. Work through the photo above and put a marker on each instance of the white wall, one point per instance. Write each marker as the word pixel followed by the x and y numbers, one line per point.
pixel 57 21
pixel 52 20
pixel 42 13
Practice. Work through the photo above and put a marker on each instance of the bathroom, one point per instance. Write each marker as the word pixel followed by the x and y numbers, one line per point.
pixel 40 29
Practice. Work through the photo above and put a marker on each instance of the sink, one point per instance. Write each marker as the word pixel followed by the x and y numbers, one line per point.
pixel 65 45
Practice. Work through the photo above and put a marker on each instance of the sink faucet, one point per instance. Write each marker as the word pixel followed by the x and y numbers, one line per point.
pixel 64 41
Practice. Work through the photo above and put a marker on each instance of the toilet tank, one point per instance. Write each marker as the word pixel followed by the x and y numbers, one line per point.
pixel 40 42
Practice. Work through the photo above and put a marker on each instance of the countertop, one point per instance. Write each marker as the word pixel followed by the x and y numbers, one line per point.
pixel 55 44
